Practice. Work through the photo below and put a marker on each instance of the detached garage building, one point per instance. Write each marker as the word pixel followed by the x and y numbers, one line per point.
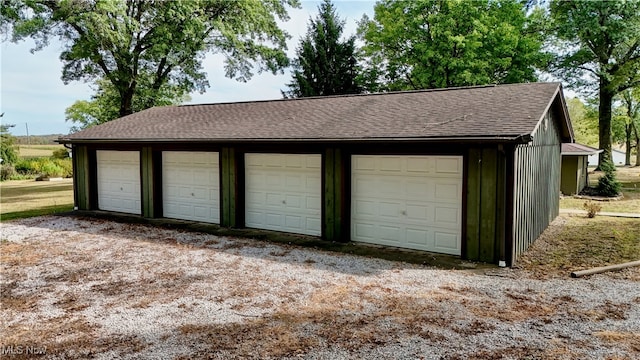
pixel 472 172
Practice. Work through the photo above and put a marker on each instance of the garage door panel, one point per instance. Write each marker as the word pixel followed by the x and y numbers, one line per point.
pixel 418 237
pixel 420 189
pixel 313 203
pixel 364 163
pixel 419 212
pixel 446 215
pixel 290 185
pixel 191 188
pixel 447 192
pixel 446 243
pixel 448 165
pixel 293 201
pixel 389 210
pixel 119 181
pixel 389 164
pixel 365 231
pixel 404 200
pixel 389 232
pixel 293 161
pixel 418 165
pixel 314 162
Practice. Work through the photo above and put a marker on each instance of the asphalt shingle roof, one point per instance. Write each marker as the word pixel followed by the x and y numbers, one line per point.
pixel 503 111
pixel 578 149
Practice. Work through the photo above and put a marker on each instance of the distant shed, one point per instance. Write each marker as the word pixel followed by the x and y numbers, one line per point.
pixel 575 174
pixel 472 172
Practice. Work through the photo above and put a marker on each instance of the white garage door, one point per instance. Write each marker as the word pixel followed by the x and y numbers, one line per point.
pixel 119 181
pixel 283 192
pixel 411 202
pixel 191 186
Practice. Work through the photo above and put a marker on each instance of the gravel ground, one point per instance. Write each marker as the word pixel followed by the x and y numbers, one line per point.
pixel 85 288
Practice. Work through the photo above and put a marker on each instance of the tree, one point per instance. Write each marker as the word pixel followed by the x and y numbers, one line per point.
pixel 599 46
pixel 104 104
pixel 148 44
pixel 418 44
pixel 325 65
pixel 630 99
pixel 8 153
pixel 584 119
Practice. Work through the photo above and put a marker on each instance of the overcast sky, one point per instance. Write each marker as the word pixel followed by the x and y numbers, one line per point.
pixel 32 94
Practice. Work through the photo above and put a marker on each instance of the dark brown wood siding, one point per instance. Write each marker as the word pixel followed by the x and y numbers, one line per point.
pixel 536 187
pixel 484 225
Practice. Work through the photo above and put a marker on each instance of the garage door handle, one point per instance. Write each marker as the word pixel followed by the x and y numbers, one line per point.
pixel 121 189
pixel 284 202
pixel 403 212
pixel 192 194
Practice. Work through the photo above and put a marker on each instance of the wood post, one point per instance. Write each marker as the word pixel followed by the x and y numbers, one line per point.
pixel 598 270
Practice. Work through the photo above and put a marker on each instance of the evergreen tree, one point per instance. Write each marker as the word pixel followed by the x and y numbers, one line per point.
pixel 325 65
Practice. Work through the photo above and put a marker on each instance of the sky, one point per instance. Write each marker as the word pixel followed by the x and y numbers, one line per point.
pixel 33 97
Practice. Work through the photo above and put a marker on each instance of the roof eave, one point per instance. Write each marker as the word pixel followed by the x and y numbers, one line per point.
pixel 583 153
pixel 517 139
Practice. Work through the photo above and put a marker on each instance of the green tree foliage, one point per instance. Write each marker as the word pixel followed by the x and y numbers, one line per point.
pixel 8 152
pixel 418 44
pixel 598 47
pixel 147 44
pixel 104 104
pixel 608 184
pixel 584 119
pixel 325 64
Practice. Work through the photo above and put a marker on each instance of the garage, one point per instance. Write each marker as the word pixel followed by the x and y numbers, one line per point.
pixel 472 172
pixel 283 192
pixel 191 186
pixel 118 174
pixel 411 202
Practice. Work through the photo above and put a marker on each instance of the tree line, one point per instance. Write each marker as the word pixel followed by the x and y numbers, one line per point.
pixel 144 53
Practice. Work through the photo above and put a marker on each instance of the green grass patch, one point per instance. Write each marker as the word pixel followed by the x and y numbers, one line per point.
pixel 24 198
pixel 583 243
pixel 45 210
pixel 629 177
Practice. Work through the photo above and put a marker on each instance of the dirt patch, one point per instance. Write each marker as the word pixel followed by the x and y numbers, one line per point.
pixel 84 288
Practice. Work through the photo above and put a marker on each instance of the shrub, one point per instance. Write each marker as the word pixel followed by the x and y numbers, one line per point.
pixel 7 172
pixel 50 169
pixel 66 165
pixel 28 167
pixel 608 184
pixel 45 167
pixel 60 154
pixel 592 208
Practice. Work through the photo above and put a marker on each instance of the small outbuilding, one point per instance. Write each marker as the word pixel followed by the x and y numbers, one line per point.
pixel 617 156
pixel 575 174
pixel 472 172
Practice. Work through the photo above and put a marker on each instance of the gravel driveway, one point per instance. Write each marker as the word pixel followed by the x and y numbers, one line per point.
pixel 86 288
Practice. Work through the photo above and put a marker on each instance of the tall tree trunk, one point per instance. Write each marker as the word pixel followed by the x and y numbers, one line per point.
pixel 627 144
pixel 126 102
pixel 604 122
pixel 636 131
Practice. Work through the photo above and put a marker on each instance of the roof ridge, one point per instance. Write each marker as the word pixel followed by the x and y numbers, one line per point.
pixel 388 93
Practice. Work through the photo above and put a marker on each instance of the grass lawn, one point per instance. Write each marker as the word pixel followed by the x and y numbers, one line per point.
pixel 31 151
pixel 630 179
pixel 577 243
pixel 26 198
